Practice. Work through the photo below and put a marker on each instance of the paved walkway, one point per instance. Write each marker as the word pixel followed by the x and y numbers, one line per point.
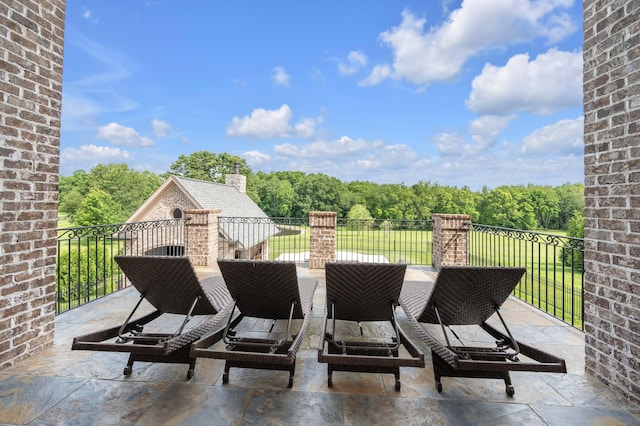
pixel 59 386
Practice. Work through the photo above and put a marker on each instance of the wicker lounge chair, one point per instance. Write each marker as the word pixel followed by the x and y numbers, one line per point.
pixel 268 290
pixel 465 295
pixel 365 293
pixel 171 285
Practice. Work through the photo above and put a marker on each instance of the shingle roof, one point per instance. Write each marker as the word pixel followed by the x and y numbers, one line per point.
pixel 234 204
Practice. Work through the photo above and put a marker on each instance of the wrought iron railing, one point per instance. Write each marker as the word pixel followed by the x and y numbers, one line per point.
pixel 554 279
pixel 385 240
pixel 85 266
pixel 363 240
pixel 279 238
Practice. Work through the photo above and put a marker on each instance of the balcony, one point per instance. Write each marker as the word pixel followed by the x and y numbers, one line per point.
pixel 60 386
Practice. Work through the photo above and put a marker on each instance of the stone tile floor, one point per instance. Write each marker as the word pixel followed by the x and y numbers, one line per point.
pixel 59 386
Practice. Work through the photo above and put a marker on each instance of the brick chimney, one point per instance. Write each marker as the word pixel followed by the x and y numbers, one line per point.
pixel 236 179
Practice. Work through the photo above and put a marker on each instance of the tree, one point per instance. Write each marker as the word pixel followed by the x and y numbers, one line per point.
pixel 545 203
pixel 572 255
pixel 98 208
pixel 126 187
pixel 72 191
pixel 318 192
pixel 206 165
pixel 275 195
pixel 507 207
pixel 359 216
pixel 570 201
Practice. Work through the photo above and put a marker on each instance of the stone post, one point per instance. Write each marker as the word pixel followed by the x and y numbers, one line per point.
pixel 202 237
pixel 322 239
pixel 450 239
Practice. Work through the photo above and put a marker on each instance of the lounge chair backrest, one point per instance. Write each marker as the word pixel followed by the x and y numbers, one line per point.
pixel 467 295
pixel 363 291
pixel 262 288
pixel 169 283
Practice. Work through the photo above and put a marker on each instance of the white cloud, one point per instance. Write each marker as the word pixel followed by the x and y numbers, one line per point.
pixel 93 153
pixel 355 61
pixel 256 158
pixel 439 54
pixel 160 128
pixel 118 134
pixel 319 149
pixel 564 137
pixel 378 74
pixel 486 130
pixel 88 15
pixel 264 123
pixel 280 77
pixel 449 144
pixel 549 83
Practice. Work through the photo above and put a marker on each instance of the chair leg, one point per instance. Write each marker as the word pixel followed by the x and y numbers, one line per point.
pixel 397 376
pixel 291 373
pixel 329 374
pixel 129 368
pixel 225 375
pixel 509 387
pixel 192 367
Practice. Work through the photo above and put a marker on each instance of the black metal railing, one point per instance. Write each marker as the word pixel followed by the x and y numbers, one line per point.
pixel 278 238
pixel 363 240
pixel 554 279
pixel 385 240
pixel 85 266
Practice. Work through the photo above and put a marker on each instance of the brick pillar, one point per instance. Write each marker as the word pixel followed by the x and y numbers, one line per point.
pixel 450 239
pixel 203 236
pixel 612 194
pixel 322 239
pixel 31 53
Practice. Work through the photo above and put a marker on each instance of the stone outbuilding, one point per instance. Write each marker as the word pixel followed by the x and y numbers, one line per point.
pixel 180 197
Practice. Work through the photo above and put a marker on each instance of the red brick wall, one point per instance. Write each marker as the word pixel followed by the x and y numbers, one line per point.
pixel 450 239
pixel 612 193
pixel 31 53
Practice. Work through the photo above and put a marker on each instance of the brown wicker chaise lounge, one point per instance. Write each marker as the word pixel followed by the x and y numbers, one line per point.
pixel 268 290
pixel 467 295
pixel 171 285
pixel 365 293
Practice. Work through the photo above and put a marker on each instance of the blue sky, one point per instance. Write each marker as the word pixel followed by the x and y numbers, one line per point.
pixel 472 93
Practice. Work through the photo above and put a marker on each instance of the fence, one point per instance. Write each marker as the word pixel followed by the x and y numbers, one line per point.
pixel 364 240
pixel 553 282
pixel 377 240
pixel 554 279
pixel 287 238
pixel 85 266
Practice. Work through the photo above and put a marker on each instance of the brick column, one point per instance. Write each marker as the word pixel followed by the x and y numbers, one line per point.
pixel 612 193
pixel 203 236
pixel 450 239
pixel 31 49
pixel 322 239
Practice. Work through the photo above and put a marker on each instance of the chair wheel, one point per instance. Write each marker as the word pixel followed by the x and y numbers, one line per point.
pixel 439 387
pixel 225 378
pixel 510 390
pixel 127 371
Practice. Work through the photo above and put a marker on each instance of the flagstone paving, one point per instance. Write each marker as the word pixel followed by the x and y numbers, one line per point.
pixel 59 386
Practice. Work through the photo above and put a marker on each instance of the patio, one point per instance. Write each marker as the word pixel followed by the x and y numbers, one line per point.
pixel 60 386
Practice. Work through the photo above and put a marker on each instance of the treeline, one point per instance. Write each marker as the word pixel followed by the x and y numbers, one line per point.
pixel 111 193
